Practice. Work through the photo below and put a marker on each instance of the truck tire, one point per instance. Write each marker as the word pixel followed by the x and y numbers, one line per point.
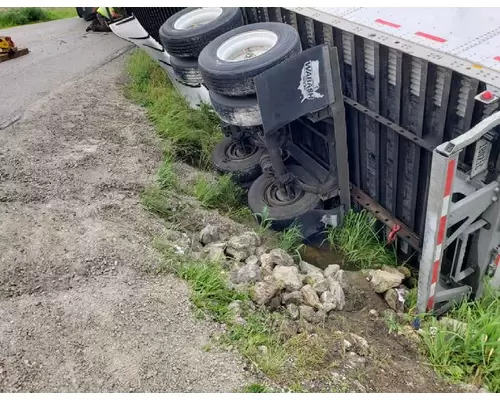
pixel 263 193
pixel 229 63
pixel 187 32
pixel 243 167
pixel 186 71
pixel 239 111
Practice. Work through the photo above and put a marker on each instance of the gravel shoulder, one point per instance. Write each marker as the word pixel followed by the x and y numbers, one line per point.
pixel 78 309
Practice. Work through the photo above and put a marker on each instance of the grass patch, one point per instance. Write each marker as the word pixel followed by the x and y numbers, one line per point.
pixel 10 17
pixel 154 200
pixel 192 133
pixel 223 194
pixel 260 339
pixel 166 177
pixel 210 292
pixel 256 388
pixel 358 240
pixel 470 350
pixel 290 239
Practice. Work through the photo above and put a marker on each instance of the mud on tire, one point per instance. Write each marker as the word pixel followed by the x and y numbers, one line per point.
pixel 186 71
pixel 239 111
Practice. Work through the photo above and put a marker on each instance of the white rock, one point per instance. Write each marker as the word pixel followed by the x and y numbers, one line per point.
pixel 260 250
pixel 321 285
pixel 395 298
pixel 337 293
pixel 341 278
pixel 238 255
pixel 373 314
pixel 247 274
pixel 381 281
pixel 281 257
pixel 328 301
pixel 293 311
pixel 354 360
pixel 253 259
pixel 310 297
pixel 310 269
pixel 293 298
pixel 264 291
pixel 361 345
pixel 215 251
pixel 307 313
pixel 331 270
pixel 319 317
pixel 266 260
pixel 288 277
pixel 236 307
pixel 244 241
pixel 209 234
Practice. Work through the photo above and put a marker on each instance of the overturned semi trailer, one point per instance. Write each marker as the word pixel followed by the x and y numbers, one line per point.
pixel 420 88
pixel 421 93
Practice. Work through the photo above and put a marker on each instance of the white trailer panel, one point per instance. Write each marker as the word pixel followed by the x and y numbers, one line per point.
pixel 466 40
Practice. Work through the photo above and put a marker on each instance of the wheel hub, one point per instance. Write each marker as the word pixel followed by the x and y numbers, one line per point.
pixel 275 196
pixel 247 45
pixel 238 152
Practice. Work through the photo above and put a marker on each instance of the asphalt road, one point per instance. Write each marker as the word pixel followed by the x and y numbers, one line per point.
pixel 60 52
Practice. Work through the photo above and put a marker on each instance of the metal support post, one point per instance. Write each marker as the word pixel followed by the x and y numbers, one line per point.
pixel 337 111
pixel 436 223
pixel 273 148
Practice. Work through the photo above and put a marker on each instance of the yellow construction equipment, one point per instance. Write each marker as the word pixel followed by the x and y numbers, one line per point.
pixel 9 50
pixel 7 45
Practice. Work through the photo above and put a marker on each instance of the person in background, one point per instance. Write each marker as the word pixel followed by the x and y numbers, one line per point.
pixel 104 15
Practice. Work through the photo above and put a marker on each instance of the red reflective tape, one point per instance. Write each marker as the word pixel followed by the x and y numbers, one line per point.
pixel 430 303
pixel 435 271
pixel 442 228
pixel 450 173
pixel 497 260
pixel 431 37
pixel 497 58
pixel 384 22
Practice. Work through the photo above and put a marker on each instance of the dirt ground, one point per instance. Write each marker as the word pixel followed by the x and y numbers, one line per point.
pixel 78 309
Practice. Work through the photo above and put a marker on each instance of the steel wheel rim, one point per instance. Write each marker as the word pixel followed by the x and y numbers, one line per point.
pixel 198 17
pixel 247 45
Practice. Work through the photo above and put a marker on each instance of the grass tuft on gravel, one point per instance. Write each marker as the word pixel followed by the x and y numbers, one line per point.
pixel 358 241
pixel 192 134
pixel 10 17
pixel 256 388
pixel 155 201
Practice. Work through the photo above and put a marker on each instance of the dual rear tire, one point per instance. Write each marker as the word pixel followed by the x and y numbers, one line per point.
pixel 186 33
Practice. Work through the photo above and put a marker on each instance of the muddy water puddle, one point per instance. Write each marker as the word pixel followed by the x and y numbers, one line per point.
pixel 322 256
